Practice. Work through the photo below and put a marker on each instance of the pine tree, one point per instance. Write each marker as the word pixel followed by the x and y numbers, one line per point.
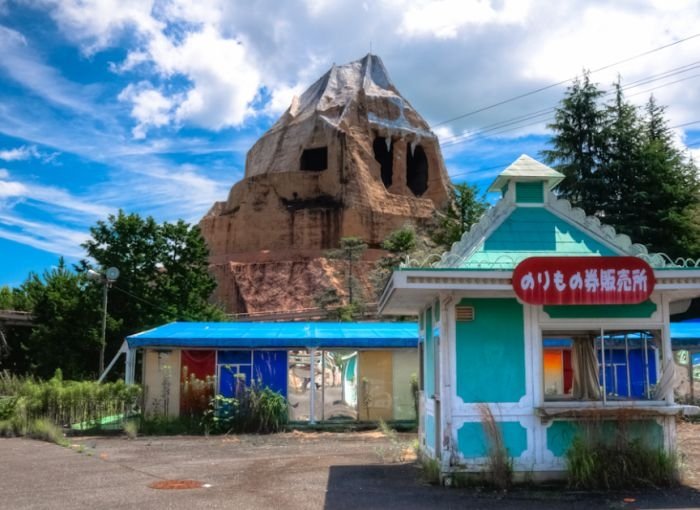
pixel 578 145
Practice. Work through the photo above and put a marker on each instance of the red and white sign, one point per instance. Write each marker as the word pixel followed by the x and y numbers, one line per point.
pixel 583 280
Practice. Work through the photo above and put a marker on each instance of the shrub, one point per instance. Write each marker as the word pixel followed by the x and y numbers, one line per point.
pixel 63 403
pixel 594 463
pixel 252 410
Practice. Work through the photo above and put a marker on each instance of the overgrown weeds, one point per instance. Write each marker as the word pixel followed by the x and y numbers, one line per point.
pixel 499 468
pixel 600 459
pixel 397 449
pixel 254 409
pixel 23 400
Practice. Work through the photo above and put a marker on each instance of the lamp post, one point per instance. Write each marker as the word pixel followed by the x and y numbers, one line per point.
pixel 106 278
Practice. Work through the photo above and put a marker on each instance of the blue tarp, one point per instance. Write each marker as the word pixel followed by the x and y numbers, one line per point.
pixel 296 335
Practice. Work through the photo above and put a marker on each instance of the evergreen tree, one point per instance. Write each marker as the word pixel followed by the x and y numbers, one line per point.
pixel 621 135
pixel 668 196
pixel 578 145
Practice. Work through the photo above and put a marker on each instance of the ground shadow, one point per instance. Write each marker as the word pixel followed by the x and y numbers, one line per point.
pixel 400 486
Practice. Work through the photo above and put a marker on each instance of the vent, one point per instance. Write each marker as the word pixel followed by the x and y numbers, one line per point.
pixel 465 313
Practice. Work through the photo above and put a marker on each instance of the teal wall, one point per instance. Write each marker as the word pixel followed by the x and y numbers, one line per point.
pixel 472 441
pixel 529 192
pixel 531 232
pixel 429 356
pixel 561 433
pixel 430 431
pixel 490 352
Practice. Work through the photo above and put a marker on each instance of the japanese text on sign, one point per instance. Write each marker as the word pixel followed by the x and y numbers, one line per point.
pixel 583 280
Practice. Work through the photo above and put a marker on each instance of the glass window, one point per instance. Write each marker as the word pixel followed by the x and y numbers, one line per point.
pixel 607 364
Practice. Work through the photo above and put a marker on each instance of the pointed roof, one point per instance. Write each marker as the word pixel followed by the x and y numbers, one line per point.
pixel 525 169
pixel 510 232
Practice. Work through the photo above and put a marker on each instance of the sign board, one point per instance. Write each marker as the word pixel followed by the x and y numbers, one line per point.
pixel 583 280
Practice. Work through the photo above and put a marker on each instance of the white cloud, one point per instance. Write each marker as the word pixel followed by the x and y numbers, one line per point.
pixel 19 153
pixel 150 107
pixel 12 189
pixel 4 173
pixel 444 19
pixel 43 236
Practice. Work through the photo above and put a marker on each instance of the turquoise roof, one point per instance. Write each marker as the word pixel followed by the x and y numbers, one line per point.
pixel 530 232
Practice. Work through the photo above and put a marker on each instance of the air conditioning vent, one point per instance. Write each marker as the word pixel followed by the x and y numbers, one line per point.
pixel 465 313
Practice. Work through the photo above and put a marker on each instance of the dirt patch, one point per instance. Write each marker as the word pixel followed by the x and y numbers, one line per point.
pixel 176 484
pixel 688 438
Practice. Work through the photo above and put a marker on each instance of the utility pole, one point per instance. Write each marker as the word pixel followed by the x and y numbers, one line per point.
pixel 106 278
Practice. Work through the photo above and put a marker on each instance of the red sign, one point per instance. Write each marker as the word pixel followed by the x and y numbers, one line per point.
pixel 583 280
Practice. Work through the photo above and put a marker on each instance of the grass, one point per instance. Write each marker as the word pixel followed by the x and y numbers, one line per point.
pixel 397 449
pixel 45 430
pixel 499 467
pixel 597 464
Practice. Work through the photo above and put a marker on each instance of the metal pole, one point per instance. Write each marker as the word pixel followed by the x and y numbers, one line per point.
pixel 312 386
pixel 646 366
pixel 602 352
pixel 323 385
pixel 103 341
pixel 627 364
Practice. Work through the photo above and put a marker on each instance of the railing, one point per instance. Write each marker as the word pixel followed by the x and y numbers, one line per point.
pixel 16 318
pixel 370 311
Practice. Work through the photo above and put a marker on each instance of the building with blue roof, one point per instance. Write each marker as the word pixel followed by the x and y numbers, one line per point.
pixel 326 370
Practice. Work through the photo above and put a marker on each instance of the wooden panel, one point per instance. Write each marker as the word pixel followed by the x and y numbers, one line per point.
pixel 161 387
pixel 375 388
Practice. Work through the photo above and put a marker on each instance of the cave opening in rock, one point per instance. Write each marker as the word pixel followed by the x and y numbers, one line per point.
pixel 417 170
pixel 314 160
pixel 384 154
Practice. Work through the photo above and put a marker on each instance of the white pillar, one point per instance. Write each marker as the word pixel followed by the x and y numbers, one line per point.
pixel 666 347
pixel 130 366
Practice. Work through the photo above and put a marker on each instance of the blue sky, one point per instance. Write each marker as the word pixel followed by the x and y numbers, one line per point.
pixel 151 106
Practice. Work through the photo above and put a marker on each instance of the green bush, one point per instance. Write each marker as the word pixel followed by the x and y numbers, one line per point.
pixel 253 410
pixel 596 464
pixel 63 403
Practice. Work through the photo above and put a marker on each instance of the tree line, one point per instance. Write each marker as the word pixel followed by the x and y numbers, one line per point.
pixel 163 278
pixel 622 164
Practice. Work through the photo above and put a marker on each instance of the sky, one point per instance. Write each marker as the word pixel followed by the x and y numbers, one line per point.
pixel 151 106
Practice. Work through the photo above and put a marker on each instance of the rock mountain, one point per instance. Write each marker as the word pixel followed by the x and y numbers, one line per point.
pixel 350 157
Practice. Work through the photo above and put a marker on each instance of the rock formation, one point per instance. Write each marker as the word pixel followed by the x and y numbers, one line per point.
pixel 350 157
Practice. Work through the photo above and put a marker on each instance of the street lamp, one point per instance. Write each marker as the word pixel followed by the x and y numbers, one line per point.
pixel 106 278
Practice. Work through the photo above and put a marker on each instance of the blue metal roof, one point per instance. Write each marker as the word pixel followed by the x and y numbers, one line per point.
pixel 279 335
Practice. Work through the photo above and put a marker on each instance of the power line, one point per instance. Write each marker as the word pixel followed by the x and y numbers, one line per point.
pixel 547 87
pixel 478 134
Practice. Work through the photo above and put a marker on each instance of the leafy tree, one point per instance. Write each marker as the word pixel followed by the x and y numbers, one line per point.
pixel 350 250
pixel 464 209
pixel 66 330
pixel 578 145
pixel 163 273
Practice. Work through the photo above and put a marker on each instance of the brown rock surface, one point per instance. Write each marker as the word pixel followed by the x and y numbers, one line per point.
pixel 350 157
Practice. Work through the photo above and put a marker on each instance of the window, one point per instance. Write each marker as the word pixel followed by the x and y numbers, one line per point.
pixel 314 160
pixel 603 365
